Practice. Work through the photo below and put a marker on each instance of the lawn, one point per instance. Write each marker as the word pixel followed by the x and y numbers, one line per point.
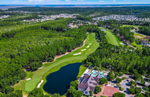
pixel 111 38
pixel 81 71
pixel 130 26
pixel 139 36
pixel 136 45
pixel 48 68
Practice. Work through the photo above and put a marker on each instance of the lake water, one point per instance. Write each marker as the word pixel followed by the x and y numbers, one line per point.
pixel 59 82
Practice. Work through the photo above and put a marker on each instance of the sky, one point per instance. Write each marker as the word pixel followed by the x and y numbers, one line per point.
pixel 60 2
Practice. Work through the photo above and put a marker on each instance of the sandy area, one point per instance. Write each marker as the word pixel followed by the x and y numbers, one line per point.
pixel 77 53
pixel 40 83
pixel 83 50
pixel 28 79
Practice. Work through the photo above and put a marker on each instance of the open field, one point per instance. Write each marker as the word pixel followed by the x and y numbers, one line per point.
pixel 48 68
pixel 111 38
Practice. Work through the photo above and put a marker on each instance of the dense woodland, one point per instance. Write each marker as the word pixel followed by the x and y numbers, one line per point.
pixel 122 33
pixel 27 48
pixel 16 19
pixel 120 59
pixel 141 11
pixel 144 30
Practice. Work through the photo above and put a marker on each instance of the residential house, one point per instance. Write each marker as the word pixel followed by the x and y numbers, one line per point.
pixel 144 42
pixel 88 84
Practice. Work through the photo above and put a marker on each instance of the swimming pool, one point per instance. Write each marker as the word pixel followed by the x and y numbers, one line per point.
pixel 102 75
pixel 94 75
pixel 94 72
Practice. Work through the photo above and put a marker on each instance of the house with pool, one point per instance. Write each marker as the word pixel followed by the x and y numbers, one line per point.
pixel 89 80
pixel 88 83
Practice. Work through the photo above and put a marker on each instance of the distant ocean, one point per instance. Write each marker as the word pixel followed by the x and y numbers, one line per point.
pixel 103 5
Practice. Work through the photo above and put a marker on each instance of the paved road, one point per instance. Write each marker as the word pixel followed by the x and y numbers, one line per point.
pixel 125 84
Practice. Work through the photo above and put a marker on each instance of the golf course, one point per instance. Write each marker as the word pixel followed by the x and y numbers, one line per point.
pixel 78 55
pixel 111 38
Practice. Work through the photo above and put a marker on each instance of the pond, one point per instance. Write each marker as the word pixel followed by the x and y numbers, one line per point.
pixel 59 82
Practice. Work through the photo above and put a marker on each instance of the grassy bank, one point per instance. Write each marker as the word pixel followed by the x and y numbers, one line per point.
pixel 48 68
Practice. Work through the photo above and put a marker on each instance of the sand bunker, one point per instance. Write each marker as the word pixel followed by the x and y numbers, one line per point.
pixel 83 50
pixel 40 83
pixel 77 53
pixel 90 43
pixel 28 79
pixel 88 46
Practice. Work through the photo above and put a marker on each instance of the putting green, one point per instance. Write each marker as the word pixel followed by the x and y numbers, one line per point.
pixel 48 68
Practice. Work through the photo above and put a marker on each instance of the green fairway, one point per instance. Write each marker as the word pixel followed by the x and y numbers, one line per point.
pixel 130 26
pixel 111 38
pixel 139 36
pixel 48 68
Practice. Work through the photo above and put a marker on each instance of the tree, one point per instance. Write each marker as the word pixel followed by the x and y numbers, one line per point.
pixel 132 90
pixel 147 94
pixel 9 90
pixel 137 76
pixel 56 95
pixel 74 84
pixel 97 89
pixel 110 76
pixel 11 95
pixel 132 83
pixel 139 95
pixel 37 92
pixel 79 94
pixel 142 81
pixel 146 89
pixel 102 80
pixel 118 94
pixel 138 90
pixel 2 95
pixel 91 93
pixel 18 93
pixel 118 80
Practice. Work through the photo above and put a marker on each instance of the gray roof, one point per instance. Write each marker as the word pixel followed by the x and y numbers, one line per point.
pixel 89 82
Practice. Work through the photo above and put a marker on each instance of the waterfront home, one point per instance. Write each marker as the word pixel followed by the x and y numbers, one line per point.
pixel 88 84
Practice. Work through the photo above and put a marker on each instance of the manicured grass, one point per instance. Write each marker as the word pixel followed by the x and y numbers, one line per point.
pixel 130 26
pixel 136 45
pixel 139 36
pixel 81 70
pixel 48 68
pixel 111 38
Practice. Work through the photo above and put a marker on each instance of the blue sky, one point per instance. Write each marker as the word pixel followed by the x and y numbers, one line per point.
pixel 74 2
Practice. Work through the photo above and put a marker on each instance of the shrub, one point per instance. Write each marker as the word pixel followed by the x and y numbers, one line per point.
pixel 119 94
pixel 102 81
pixel 97 89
